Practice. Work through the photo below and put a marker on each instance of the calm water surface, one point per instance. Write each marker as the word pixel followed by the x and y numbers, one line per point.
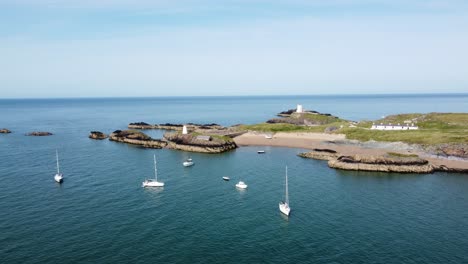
pixel 100 214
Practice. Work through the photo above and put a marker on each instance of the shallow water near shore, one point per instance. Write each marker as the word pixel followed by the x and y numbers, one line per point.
pixel 101 213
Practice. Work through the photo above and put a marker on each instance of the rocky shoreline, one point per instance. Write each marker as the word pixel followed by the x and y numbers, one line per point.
pixel 175 141
pixel 390 162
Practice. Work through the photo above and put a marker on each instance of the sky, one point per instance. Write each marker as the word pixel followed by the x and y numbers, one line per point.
pixel 120 48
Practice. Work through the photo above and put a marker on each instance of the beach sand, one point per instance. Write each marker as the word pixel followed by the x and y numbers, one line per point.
pixel 322 140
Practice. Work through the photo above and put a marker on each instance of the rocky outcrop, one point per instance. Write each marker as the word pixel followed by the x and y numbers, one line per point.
pixel 177 127
pixel 305 118
pixel 97 135
pixel 141 125
pixel 203 149
pixel 4 131
pixel 320 154
pixel 448 150
pixel 193 143
pixel 136 138
pixel 39 134
pixel 190 142
pixel 291 111
pixel 445 168
pixel 382 163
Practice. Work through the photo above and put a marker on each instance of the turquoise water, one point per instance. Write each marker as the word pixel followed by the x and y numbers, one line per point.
pixel 100 214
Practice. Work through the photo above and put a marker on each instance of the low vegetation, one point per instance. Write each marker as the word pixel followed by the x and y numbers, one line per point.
pixel 434 128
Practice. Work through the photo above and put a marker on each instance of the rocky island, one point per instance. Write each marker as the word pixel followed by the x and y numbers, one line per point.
pixel 193 142
pixel 97 135
pixel 439 144
pixel 4 131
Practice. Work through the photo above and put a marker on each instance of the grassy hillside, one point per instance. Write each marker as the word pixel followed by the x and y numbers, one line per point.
pixel 434 128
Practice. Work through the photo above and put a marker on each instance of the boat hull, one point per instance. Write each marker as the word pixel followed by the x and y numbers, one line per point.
pixel 152 184
pixel 187 164
pixel 241 185
pixel 284 208
pixel 58 178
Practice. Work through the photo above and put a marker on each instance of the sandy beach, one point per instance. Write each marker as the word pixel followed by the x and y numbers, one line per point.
pixel 323 140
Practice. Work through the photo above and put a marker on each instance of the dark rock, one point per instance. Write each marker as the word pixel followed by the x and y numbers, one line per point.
pixel 325 150
pixel 140 124
pixel 39 134
pixel 97 135
pixel 330 129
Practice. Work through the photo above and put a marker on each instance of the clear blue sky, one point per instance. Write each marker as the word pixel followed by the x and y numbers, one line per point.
pixel 95 48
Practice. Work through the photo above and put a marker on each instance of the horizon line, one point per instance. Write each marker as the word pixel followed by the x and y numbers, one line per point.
pixel 218 96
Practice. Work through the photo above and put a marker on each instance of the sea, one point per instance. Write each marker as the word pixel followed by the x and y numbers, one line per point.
pixel 101 214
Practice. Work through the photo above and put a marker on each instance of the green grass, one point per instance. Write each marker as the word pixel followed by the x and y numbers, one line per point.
pixel 281 127
pixel 434 128
pixel 422 136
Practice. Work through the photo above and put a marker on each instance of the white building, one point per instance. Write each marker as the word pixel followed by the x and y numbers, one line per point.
pixel 299 109
pixel 184 130
pixel 394 127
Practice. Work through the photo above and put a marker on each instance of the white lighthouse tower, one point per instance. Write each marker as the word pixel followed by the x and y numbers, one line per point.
pixel 299 109
pixel 184 130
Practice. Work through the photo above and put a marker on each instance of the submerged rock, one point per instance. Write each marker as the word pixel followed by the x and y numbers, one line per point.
pixel 97 135
pixel 39 134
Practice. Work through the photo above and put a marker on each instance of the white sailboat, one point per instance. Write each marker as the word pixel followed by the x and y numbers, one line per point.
pixel 153 182
pixel 58 176
pixel 284 205
pixel 187 163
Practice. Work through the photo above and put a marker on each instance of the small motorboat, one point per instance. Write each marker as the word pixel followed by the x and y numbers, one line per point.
pixel 261 152
pixel 241 185
pixel 189 162
pixel 268 137
pixel 226 178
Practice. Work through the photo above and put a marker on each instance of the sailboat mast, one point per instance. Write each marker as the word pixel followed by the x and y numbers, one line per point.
pixel 287 196
pixel 58 168
pixel 155 170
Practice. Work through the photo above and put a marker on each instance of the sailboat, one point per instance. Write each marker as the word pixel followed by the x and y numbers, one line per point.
pixel 153 182
pixel 58 176
pixel 284 205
